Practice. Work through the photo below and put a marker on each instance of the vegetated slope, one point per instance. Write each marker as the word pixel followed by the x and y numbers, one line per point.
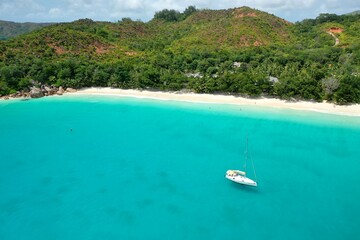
pixel 354 13
pixel 313 33
pixel 222 29
pixel 225 29
pixel 234 28
pixel 12 29
pixel 237 51
pixel 79 37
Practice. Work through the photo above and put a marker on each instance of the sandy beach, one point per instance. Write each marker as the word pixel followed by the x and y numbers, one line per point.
pixel 351 110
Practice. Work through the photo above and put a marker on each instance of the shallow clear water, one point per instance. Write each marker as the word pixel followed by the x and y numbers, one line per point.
pixel 122 168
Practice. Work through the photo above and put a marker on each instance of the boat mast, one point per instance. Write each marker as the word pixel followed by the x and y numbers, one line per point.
pixel 252 161
pixel 246 154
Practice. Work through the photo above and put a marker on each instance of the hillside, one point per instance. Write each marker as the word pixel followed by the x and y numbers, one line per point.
pixel 228 29
pixel 316 31
pixel 12 29
pixel 354 13
pixel 237 51
pixel 235 29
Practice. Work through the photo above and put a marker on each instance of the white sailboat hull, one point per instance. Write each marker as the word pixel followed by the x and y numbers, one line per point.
pixel 240 176
pixel 242 180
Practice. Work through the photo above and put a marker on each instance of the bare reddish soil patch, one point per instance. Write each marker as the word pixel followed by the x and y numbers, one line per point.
pixel 335 30
pixel 242 15
pixel 58 50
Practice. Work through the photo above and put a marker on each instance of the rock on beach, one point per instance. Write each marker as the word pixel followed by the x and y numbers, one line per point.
pixel 36 93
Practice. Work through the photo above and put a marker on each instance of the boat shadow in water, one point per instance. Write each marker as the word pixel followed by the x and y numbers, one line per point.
pixel 245 188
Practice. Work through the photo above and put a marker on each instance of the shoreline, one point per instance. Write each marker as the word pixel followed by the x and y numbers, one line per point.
pixel 349 110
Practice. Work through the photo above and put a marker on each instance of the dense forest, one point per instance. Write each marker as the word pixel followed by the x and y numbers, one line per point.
pixel 239 51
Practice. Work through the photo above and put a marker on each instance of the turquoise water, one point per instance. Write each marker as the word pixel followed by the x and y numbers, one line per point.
pixel 122 168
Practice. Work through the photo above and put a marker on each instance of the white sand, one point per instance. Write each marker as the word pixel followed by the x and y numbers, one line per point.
pixel 351 110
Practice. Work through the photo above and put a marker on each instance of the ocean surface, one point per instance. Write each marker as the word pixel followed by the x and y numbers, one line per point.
pixel 95 167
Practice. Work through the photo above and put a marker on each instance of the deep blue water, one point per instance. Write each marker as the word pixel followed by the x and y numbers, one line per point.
pixel 123 168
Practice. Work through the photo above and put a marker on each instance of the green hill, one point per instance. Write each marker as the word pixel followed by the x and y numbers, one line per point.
pixel 12 29
pixel 354 13
pixel 235 28
pixel 237 51
pixel 226 29
pixel 314 32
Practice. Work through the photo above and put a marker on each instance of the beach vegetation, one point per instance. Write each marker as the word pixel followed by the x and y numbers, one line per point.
pixel 239 51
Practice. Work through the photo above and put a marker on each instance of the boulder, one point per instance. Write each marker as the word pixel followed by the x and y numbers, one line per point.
pixel 71 90
pixel 50 90
pixel 60 91
pixel 36 93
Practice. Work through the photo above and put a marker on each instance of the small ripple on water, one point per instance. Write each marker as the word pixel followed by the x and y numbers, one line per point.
pixel 46 180
pixel 173 209
pixel 147 202
pixel 102 190
pixel 63 190
pixel 127 217
pixel 111 211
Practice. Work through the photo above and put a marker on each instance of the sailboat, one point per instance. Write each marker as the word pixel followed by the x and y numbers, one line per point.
pixel 240 176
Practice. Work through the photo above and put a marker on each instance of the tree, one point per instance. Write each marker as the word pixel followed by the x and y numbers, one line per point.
pixel 348 91
pixel 11 75
pixel 286 87
pixel 120 77
pixel 172 80
pixel 189 11
pixel 329 86
pixel 101 77
pixel 168 15
pixel 125 19
pixel 3 88
pixel 145 76
pixel 327 17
